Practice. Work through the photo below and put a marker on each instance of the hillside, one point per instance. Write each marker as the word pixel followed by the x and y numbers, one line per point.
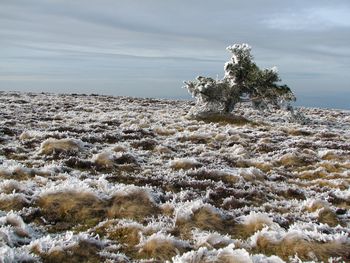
pixel 87 178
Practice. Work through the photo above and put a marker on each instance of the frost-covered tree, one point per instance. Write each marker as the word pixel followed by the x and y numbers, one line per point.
pixel 243 81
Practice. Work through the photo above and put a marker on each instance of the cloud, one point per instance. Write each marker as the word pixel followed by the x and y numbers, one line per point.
pixel 312 19
pixel 140 45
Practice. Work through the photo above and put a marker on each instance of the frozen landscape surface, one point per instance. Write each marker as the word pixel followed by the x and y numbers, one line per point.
pixel 87 178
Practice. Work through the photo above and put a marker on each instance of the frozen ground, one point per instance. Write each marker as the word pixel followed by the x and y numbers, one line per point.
pixel 115 179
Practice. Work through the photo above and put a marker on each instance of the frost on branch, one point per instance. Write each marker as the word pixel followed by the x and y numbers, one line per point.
pixel 243 81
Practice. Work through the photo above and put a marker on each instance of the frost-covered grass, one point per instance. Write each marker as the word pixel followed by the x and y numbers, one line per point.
pixel 116 179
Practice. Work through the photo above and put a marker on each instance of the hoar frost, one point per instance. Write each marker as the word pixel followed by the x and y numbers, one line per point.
pixel 243 81
pixel 125 179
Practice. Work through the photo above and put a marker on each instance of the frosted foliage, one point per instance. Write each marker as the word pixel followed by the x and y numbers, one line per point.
pixel 227 254
pixel 243 81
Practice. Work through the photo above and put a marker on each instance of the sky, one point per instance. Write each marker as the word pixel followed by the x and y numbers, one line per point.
pixel 147 48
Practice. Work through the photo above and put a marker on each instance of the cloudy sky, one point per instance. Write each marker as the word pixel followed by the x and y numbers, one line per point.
pixel 147 48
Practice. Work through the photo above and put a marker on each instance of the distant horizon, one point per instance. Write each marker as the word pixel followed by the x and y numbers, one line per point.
pixel 321 104
pixel 148 48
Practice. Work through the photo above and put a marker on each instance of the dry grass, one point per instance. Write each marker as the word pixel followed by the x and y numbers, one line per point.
pixel 67 209
pixel 206 219
pixel 133 168
pixel 13 202
pixel 85 251
pixel 215 175
pixel 305 249
pixel 162 247
pixel 184 164
pixel 136 204
pixel 250 224
pixel 51 146
pixel 327 216
pixel 222 118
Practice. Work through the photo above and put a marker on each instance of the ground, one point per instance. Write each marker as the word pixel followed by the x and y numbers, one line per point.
pixel 88 178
